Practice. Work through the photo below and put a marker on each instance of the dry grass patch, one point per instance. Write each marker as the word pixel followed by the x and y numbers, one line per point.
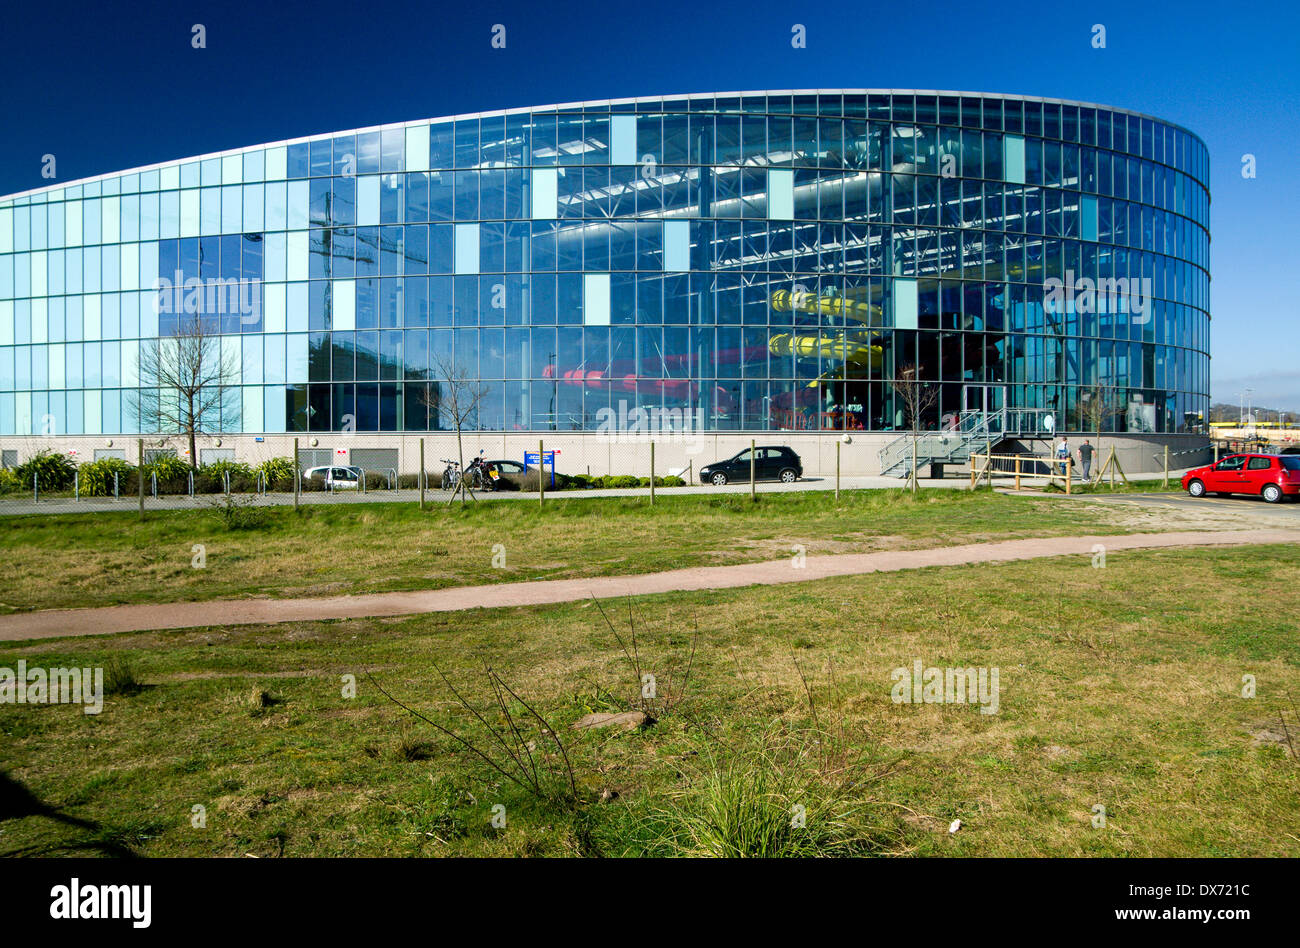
pixel 1119 687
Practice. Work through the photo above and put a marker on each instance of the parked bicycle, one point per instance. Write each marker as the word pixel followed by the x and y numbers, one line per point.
pixel 450 474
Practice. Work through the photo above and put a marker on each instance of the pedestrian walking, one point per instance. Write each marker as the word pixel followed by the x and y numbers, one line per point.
pixel 1085 457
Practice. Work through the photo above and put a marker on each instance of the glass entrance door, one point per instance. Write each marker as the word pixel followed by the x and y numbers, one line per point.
pixel 986 399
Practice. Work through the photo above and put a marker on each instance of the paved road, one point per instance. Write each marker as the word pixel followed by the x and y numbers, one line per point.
pixel 25 505
pixel 14 505
pixel 1254 510
pixel 137 618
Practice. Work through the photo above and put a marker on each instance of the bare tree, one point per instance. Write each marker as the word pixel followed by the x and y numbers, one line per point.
pixel 917 398
pixel 459 395
pixel 191 378
pixel 1097 403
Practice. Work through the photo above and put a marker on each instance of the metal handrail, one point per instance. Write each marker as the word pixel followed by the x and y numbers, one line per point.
pixel 972 427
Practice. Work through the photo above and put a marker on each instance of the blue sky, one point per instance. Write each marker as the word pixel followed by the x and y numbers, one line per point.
pixel 104 90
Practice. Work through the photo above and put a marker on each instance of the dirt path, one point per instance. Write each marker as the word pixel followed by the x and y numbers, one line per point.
pixel 183 615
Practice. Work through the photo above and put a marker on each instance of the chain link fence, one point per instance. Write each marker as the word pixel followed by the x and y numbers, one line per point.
pixel 152 479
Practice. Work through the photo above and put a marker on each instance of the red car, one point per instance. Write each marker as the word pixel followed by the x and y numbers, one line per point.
pixel 1271 476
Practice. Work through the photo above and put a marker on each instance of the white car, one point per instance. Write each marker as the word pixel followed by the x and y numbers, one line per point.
pixel 336 478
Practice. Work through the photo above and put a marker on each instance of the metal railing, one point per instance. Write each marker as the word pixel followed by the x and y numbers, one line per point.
pixel 973 429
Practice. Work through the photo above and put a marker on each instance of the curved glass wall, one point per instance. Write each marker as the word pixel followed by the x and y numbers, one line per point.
pixel 765 261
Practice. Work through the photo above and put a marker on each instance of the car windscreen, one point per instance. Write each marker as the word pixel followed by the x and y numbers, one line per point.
pixel 1290 461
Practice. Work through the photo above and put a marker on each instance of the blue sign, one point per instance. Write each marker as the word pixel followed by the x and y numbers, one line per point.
pixel 530 458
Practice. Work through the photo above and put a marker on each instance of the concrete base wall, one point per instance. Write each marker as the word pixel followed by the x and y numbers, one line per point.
pixel 581 453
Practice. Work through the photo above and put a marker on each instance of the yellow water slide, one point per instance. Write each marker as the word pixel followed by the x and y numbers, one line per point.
pixel 852 346
pixel 855 347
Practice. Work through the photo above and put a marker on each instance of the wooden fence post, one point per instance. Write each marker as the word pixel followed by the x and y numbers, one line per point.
pixel 140 471
pixel 753 493
pixel 837 470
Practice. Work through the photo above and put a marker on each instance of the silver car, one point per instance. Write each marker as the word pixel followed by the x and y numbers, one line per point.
pixel 336 478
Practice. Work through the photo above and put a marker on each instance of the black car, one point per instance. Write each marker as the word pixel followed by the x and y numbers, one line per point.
pixel 771 463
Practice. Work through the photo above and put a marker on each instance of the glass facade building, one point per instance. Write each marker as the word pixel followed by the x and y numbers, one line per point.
pixel 750 261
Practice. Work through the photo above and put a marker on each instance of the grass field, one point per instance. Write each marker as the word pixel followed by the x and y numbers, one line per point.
pixel 85 560
pixel 1120 687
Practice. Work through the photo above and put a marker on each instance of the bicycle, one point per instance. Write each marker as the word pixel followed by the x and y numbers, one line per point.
pixel 450 474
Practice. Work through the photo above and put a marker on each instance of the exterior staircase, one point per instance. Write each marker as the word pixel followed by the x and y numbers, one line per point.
pixel 974 432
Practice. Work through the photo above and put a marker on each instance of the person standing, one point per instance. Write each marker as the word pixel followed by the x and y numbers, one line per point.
pixel 1085 457
pixel 1063 453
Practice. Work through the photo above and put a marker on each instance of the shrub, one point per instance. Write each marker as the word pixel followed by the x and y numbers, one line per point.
pixel 581 481
pixel 673 480
pixel 239 513
pixel 621 481
pixel 51 471
pixel 432 480
pixel 120 677
pixel 97 477
pixel 9 481
pixel 377 480
pixel 171 472
pixel 204 483
pixel 211 478
pixel 277 473
pixel 741 806
pixel 167 467
pixel 219 469
pixel 531 481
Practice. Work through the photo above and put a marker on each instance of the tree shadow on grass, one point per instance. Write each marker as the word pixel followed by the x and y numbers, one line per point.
pixel 17 802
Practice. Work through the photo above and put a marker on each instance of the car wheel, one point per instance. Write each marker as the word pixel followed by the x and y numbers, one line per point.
pixel 719 479
pixel 788 475
pixel 1272 493
pixel 1196 489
